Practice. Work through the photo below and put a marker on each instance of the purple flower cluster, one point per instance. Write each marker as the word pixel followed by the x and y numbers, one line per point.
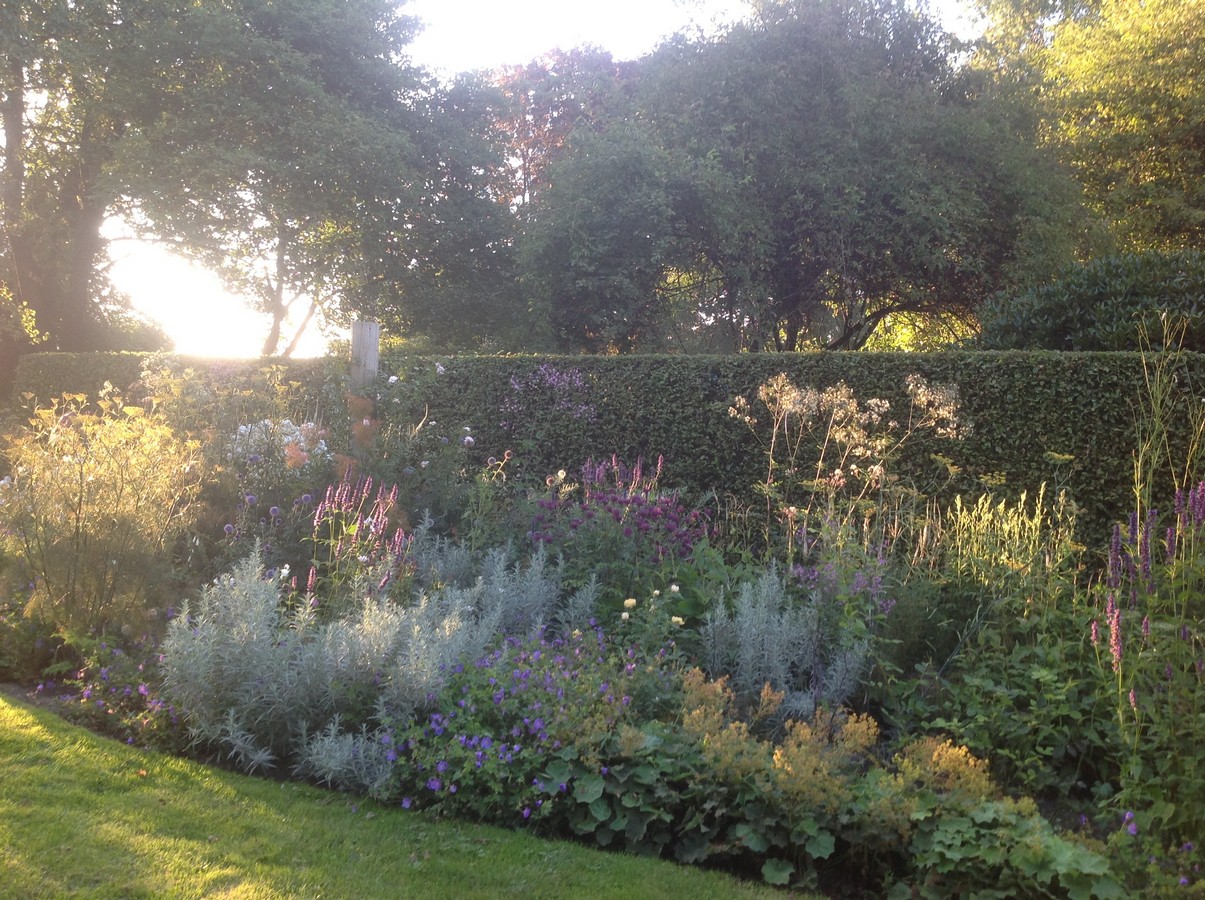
pixel 116 692
pixel 623 508
pixel 561 392
pixel 858 576
pixel 500 720
pixel 354 526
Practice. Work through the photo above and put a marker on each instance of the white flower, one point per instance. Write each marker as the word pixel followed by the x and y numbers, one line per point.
pixel 624 616
pixel 673 589
pixel 439 370
pixel 425 463
pixel 393 379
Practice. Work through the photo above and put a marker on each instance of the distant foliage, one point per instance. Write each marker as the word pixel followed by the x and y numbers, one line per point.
pixel 1106 304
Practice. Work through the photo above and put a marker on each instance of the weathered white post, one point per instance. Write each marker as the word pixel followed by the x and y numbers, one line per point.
pixel 365 355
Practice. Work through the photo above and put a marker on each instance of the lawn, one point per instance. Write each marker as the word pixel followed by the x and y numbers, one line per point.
pixel 85 816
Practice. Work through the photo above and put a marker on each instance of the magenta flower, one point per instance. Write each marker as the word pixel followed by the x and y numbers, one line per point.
pixel 1113 618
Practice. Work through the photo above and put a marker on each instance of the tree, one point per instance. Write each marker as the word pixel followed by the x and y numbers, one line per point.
pixel 316 147
pixel 597 256
pixel 799 180
pixel 447 266
pixel 285 143
pixel 1114 302
pixel 1127 101
pixel 69 95
pixel 550 98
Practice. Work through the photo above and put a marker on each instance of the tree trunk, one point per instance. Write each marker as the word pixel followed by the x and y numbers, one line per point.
pixel 277 308
pixel 18 273
pixel 12 112
pixel 72 321
pixel 309 315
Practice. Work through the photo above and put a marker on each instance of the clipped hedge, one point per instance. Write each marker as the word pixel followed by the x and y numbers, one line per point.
pixel 1028 411
pixel 49 375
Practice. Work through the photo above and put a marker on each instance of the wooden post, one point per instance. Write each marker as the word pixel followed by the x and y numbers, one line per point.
pixel 365 355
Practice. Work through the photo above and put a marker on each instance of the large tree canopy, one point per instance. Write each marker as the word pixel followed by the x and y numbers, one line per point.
pixel 809 174
pixel 799 179
pixel 290 132
pixel 72 84
pixel 286 144
pixel 1125 86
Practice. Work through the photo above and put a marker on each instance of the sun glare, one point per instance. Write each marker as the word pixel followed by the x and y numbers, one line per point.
pixel 191 304
pixel 203 319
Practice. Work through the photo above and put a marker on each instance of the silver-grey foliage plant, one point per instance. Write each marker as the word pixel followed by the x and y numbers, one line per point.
pixel 769 637
pixel 265 682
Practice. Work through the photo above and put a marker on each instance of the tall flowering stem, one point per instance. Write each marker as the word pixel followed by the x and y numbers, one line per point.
pixel 356 536
pixel 1158 599
pixel 827 452
pixel 1152 606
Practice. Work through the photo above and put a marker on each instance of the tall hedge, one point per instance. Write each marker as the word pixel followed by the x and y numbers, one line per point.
pixel 1066 419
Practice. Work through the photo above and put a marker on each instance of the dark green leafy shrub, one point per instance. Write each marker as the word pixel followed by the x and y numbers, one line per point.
pixel 998 658
pixel 1028 699
pixel 1106 304
pixel 27 646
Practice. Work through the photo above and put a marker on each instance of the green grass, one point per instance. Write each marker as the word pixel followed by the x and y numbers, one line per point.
pixel 85 816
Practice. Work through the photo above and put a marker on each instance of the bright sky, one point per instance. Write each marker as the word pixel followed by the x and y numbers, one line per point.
pixel 459 35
